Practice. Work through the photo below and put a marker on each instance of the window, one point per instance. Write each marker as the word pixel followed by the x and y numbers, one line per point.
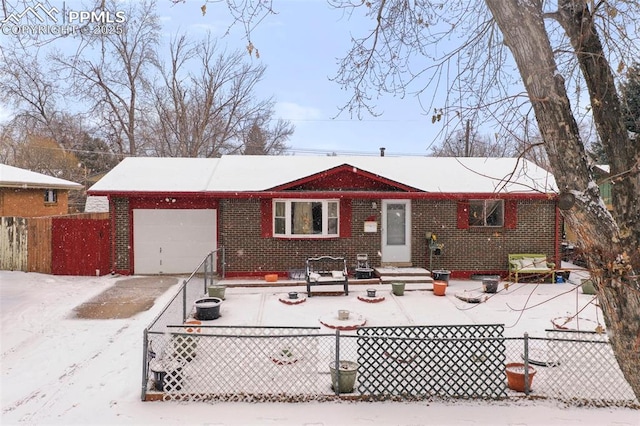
pixel 308 218
pixel 488 213
pixel 50 196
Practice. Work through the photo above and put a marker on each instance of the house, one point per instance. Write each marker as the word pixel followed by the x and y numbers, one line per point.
pixel 24 193
pixel 602 173
pixel 272 212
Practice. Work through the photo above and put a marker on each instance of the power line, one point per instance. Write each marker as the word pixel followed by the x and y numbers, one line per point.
pixel 329 151
pixel 291 150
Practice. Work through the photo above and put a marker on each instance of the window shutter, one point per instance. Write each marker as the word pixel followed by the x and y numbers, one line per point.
pixel 266 217
pixel 510 214
pixel 463 215
pixel 345 218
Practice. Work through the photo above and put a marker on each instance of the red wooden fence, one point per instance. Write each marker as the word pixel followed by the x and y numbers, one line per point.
pixel 80 247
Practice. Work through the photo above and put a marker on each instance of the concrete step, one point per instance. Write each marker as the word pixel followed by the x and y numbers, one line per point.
pixel 386 271
pixel 388 279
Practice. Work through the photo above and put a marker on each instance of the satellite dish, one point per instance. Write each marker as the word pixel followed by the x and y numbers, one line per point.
pixel 566 200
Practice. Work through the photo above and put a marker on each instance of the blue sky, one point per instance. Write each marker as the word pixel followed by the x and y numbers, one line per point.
pixel 300 46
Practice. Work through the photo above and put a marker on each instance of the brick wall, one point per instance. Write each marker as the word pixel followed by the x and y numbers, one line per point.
pixel 122 239
pixel 30 203
pixel 468 250
pixel 482 250
pixel 465 251
pixel 247 251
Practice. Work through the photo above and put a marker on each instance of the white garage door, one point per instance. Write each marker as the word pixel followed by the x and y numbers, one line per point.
pixel 172 241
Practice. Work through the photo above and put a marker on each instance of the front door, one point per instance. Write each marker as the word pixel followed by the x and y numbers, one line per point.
pixel 396 231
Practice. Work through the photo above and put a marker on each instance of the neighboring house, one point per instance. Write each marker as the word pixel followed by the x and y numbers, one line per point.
pixel 602 174
pixel 272 212
pixel 24 193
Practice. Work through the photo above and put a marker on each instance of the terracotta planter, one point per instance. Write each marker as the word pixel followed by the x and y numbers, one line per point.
pixel 515 376
pixel 271 278
pixel 439 288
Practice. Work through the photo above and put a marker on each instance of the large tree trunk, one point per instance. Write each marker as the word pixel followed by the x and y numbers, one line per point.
pixel 609 253
pixel 622 152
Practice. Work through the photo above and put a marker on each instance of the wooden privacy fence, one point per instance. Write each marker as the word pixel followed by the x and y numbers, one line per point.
pixel 61 245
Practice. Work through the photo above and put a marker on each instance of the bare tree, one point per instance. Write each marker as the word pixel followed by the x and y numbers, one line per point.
pixel 26 86
pixel 110 74
pixel 208 112
pixel 469 143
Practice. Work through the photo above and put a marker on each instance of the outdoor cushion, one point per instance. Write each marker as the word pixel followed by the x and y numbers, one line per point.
pixel 527 263
pixel 314 276
pixel 337 274
pixel 540 262
pixel 531 263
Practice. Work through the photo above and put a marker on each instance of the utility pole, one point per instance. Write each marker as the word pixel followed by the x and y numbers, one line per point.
pixel 466 141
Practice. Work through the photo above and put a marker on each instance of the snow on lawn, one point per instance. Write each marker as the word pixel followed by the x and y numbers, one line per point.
pixel 57 369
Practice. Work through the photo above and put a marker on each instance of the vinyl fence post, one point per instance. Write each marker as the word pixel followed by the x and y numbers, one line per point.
pixel 526 364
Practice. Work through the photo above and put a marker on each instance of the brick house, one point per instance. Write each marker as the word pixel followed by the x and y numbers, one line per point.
pixel 271 213
pixel 24 193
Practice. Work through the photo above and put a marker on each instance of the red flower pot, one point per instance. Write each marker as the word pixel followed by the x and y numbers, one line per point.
pixel 515 376
pixel 439 288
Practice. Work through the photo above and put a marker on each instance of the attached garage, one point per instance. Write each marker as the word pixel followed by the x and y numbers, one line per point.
pixel 172 241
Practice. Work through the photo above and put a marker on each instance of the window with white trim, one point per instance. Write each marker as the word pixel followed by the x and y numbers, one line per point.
pixel 305 218
pixel 50 196
pixel 486 213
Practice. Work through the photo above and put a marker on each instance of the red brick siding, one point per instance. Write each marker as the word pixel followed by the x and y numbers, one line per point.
pixel 30 203
pixel 465 250
pixel 481 250
pixel 122 237
pixel 247 251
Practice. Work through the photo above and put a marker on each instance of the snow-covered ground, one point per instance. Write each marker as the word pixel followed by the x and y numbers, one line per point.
pixel 57 369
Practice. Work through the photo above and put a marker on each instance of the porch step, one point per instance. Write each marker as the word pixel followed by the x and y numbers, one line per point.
pixel 404 275
pixel 407 279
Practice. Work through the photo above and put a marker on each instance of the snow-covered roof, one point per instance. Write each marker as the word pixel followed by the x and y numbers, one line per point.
pixel 245 173
pixel 14 177
pixel 152 174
